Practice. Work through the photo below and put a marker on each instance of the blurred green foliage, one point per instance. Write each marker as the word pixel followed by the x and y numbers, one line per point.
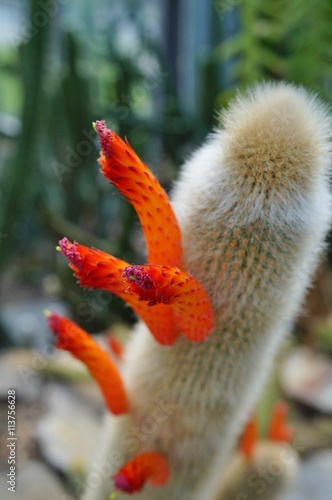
pixel 56 82
pixel 280 40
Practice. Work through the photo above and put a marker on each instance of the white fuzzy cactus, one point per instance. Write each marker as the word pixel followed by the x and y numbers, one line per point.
pixel 254 207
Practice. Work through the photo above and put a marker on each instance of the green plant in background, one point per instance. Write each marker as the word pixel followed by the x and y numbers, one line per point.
pixel 20 180
pixel 279 40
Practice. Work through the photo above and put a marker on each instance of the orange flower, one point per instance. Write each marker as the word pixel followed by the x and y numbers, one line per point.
pixel 146 467
pixel 80 344
pixel 279 430
pixel 123 168
pixel 115 345
pixel 96 269
pixel 170 285
pixel 249 439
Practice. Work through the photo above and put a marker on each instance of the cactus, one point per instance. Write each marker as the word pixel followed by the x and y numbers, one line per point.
pixel 253 206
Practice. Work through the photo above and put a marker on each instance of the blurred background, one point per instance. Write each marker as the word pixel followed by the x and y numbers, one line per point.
pixel 158 72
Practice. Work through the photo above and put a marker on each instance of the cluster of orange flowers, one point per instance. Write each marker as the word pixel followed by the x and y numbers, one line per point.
pixel 163 295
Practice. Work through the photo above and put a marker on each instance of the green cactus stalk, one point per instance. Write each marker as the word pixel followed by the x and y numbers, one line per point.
pixel 254 207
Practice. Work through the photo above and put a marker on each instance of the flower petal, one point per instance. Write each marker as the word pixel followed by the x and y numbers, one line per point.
pixel 249 439
pixel 123 168
pixel 169 285
pixel 146 467
pixel 115 345
pixel 279 430
pixel 96 269
pixel 80 344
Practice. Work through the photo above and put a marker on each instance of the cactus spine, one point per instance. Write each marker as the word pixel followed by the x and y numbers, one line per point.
pixel 254 207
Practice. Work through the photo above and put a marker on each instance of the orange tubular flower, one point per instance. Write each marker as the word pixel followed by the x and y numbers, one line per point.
pixel 78 342
pixel 146 467
pixel 96 269
pixel 123 168
pixel 169 285
pixel 279 430
pixel 115 346
pixel 249 439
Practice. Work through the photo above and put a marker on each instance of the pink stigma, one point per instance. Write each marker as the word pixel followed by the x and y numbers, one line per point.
pixel 139 276
pixel 69 250
pixel 122 483
pixel 105 138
